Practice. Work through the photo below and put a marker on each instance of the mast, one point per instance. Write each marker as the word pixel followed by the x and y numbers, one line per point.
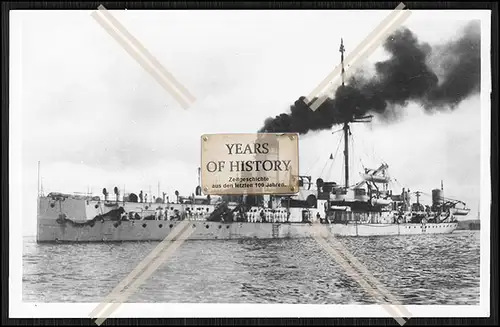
pixel 342 50
pixel 346 123
pixel 38 181
pixel 346 153
pixel 442 196
pixel 352 119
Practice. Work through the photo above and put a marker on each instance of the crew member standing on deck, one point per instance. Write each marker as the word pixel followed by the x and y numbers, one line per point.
pixel 141 196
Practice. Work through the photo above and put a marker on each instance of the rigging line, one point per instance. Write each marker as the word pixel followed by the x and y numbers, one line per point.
pixel 336 152
pixel 371 154
pixel 360 160
pixel 316 161
pixel 322 170
pixel 334 158
pixel 329 170
pixel 363 150
pixel 314 164
pixel 353 157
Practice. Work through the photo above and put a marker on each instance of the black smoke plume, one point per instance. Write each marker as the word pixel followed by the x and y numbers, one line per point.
pixel 436 77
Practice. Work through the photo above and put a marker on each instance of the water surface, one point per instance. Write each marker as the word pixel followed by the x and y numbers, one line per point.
pixel 421 269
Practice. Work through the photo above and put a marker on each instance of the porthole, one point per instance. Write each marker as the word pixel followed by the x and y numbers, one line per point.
pixel 220 226
pixel 160 225
pixel 207 226
pixel 144 225
pixel 170 225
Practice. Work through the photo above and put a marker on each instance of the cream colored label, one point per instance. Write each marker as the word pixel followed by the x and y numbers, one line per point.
pixel 262 163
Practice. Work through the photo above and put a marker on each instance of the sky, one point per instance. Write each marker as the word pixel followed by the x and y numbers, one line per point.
pixel 95 118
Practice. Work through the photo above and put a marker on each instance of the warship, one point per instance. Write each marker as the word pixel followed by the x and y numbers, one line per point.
pixel 368 207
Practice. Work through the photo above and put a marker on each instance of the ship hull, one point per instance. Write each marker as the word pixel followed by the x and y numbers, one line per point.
pixel 51 228
pixel 158 230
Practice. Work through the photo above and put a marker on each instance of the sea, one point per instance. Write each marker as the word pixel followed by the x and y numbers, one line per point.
pixel 422 269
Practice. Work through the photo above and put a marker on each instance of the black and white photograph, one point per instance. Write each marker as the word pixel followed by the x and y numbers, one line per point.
pixel 210 163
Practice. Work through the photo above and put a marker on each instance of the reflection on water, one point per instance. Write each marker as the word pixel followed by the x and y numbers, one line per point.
pixel 423 269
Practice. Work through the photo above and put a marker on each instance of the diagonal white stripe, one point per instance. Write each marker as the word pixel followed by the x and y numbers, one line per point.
pixel 146 60
pixel 361 52
pixel 167 75
pixel 383 24
pixel 142 266
pixel 351 264
pixel 365 54
pixel 168 252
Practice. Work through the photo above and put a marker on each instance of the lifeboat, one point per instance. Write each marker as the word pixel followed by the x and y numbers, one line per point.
pixel 460 211
pixel 111 204
pixel 340 195
pixel 380 202
pixel 375 179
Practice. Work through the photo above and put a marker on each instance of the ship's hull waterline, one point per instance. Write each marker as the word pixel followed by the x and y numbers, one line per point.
pixel 77 225
pixel 157 230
